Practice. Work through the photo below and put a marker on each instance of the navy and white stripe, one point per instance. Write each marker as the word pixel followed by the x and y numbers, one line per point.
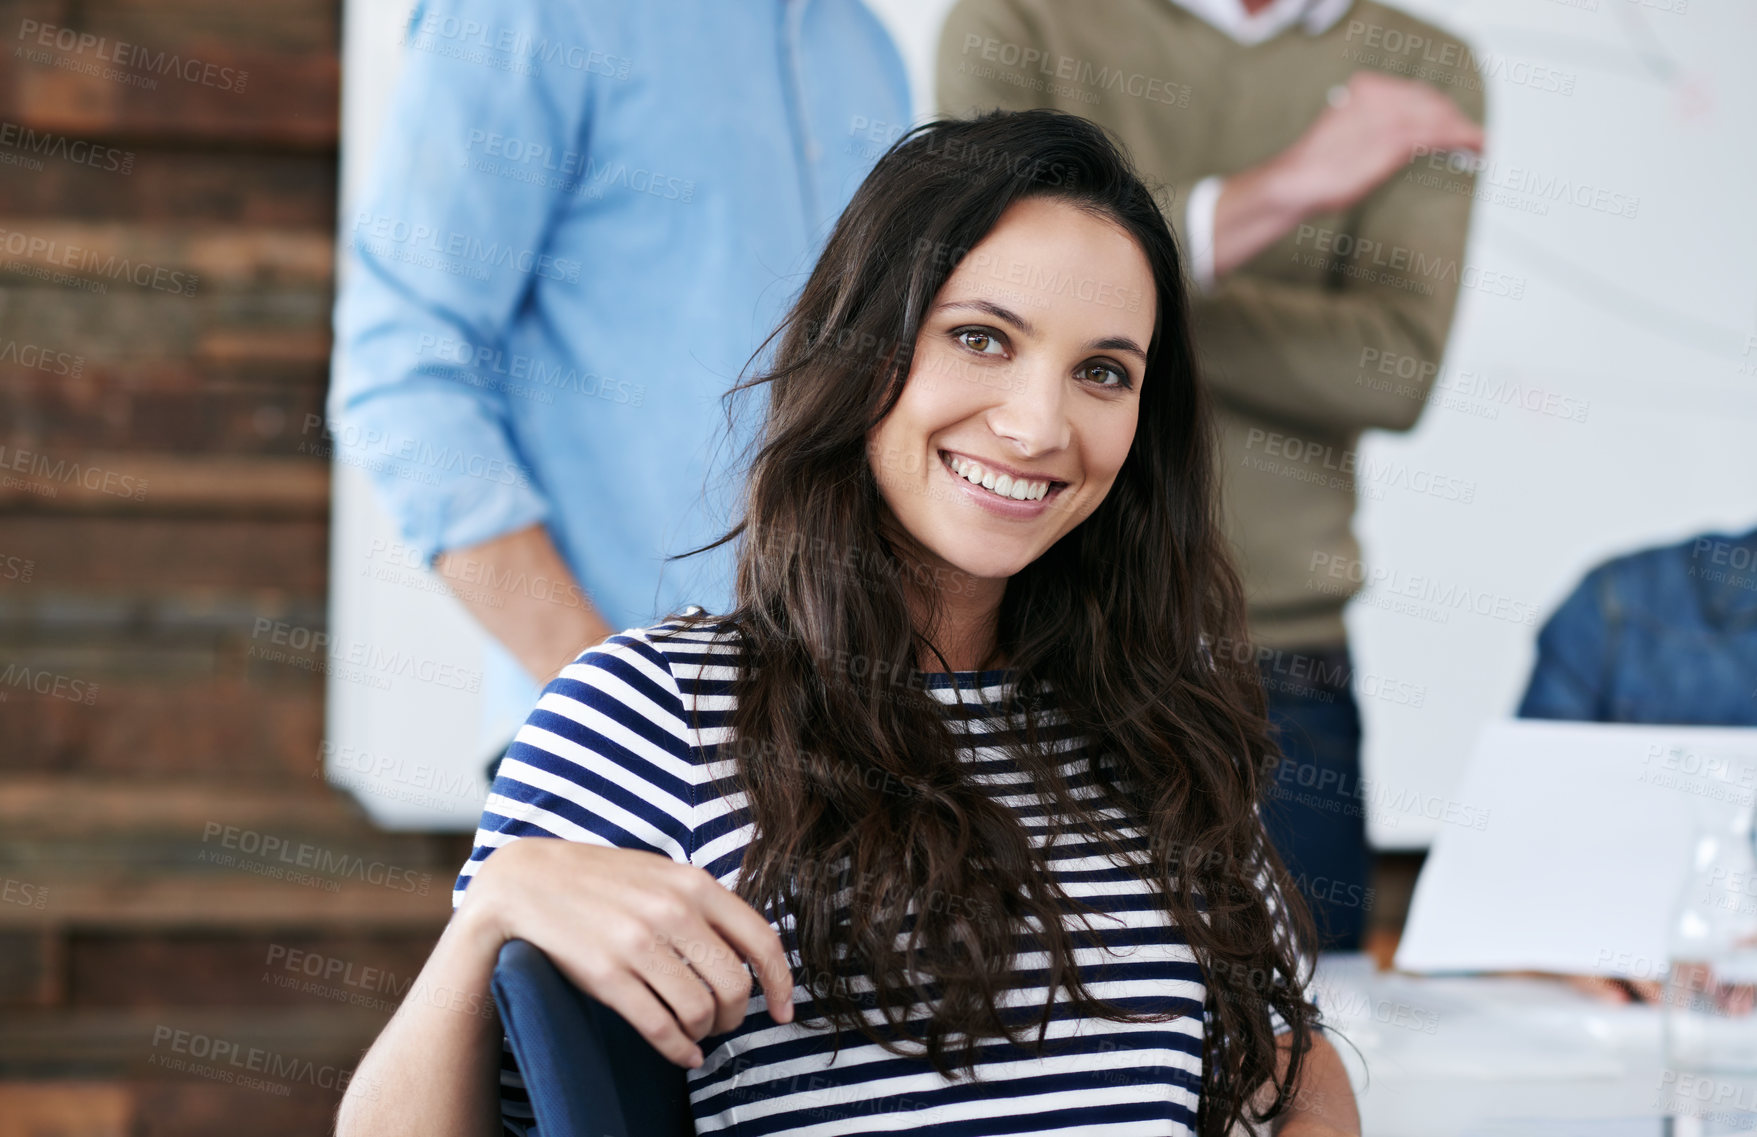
pixel 609 756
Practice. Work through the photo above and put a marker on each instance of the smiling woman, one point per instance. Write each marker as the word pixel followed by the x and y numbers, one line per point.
pixel 957 776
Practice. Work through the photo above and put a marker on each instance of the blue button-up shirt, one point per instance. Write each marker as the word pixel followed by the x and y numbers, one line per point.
pixel 583 219
pixel 1664 636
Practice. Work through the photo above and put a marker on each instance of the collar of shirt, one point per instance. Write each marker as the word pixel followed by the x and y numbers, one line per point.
pixel 1230 16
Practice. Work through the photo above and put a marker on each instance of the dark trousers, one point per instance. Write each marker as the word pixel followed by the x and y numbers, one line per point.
pixel 1313 804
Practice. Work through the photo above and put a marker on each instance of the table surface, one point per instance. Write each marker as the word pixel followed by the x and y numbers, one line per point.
pixel 1491 1056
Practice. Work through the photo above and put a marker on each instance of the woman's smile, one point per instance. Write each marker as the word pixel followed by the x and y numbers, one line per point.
pixel 1001 490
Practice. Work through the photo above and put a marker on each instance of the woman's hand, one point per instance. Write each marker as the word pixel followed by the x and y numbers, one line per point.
pixel 662 944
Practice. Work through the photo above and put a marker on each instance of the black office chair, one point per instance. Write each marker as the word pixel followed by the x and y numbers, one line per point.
pixel 588 1073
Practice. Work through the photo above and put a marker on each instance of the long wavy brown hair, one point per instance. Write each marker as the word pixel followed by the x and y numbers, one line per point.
pixel 852 774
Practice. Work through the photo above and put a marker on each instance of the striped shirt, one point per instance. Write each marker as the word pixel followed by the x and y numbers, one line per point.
pixel 610 756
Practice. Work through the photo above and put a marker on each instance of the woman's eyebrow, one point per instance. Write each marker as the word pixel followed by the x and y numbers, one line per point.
pixel 1106 343
pixel 1117 343
pixel 993 309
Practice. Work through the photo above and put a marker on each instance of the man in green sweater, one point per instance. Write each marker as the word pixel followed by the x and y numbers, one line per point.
pixel 1317 158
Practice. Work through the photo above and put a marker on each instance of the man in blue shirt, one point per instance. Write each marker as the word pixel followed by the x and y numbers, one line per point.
pixel 584 218
pixel 1665 635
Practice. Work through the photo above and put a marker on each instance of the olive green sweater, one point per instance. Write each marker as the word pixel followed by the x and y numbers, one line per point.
pixel 1337 327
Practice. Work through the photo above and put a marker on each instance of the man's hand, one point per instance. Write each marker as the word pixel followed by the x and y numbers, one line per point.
pixel 1370 133
pixel 1367 134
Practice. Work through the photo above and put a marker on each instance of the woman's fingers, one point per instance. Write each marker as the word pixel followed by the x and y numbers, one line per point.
pixel 755 940
pixel 720 967
pixel 631 998
pixel 621 922
pixel 672 978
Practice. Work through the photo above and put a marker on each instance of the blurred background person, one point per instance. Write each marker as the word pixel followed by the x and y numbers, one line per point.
pixel 1313 241
pixel 1664 636
pixel 581 220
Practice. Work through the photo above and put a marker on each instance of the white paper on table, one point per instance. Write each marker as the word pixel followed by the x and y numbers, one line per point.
pixel 1584 851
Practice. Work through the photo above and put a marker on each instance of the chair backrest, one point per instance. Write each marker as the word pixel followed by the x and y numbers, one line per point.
pixel 588 1073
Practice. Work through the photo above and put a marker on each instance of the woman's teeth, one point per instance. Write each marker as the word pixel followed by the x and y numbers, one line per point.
pixel 1002 484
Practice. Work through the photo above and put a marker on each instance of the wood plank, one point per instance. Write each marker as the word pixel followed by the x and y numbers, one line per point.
pixel 96 826
pixel 193 408
pixel 221 969
pixel 146 554
pixel 235 901
pixel 247 187
pixel 179 260
pixel 302 25
pixel 139 326
pixel 81 480
pixel 261 72
pixel 35 1042
pixel 74 808
pixel 214 725
pixel 288 100
pixel 70 1108
pixel 199 1108
pixel 32 967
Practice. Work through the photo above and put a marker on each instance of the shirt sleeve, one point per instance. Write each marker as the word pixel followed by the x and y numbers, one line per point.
pixel 440 257
pixel 1293 352
pixel 1199 231
pixel 605 757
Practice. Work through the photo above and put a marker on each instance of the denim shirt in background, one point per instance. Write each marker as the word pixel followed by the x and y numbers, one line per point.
pixel 1664 636
pixel 583 218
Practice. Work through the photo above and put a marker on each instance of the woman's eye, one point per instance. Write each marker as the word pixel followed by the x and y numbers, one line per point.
pixel 978 340
pixel 1104 375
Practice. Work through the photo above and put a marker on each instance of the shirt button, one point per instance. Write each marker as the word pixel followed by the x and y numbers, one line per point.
pixel 813 152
